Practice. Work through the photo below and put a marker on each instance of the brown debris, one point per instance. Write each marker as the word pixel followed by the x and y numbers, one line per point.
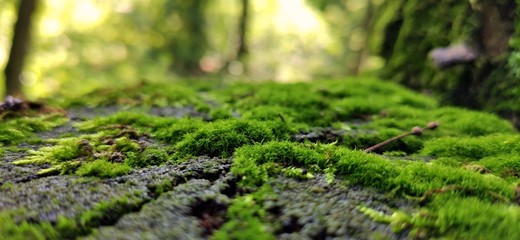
pixel 13 107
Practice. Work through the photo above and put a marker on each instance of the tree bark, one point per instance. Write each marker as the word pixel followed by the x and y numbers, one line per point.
pixel 20 44
pixel 242 31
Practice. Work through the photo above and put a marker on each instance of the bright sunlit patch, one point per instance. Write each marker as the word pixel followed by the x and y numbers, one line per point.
pixel 296 15
pixel 51 27
pixel 86 14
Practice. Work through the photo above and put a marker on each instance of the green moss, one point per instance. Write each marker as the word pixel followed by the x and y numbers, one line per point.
pixel 409 178
pixel 100 154
pixel 137 120
pixel 505 166
pixel 473 148
pixel 453 217
pixel 320 103
pixel 453 121
pixel 108 212
pixel 176 131
pixel 220 138
pixel 169 130
pixel 149 157
pixel 24 230
pixel 416 178
pixel 146 94
pixel 469 218
pixel 16 130
pixel 298 173
pixel 102 168
pixel 252 163
pixel 248 218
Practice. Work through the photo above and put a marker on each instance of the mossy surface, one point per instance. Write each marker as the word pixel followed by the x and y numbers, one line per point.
pixel 248 157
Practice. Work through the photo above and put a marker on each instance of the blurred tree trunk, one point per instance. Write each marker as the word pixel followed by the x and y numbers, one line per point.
pixel 477 40
pixel 242 31
pixel 366 25
pixel 189 44
pixel 19 47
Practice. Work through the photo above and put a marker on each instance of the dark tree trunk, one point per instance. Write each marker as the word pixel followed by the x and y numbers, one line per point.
pixel 242 31
pixel 20 44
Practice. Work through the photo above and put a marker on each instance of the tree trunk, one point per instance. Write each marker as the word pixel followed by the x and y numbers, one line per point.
pixel 20 44
pixel 474 47
pixel 242 31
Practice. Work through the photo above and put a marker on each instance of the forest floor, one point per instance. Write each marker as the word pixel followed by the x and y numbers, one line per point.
pixel 199 160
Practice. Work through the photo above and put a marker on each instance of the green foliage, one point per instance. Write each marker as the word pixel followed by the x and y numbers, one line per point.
pixel 247 217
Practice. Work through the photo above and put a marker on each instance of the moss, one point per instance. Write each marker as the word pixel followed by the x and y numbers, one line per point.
pixel 409 178
pixel 102 168
pixel 503 165
pixel 177 130
pixel 145 94
pixel 220 113
pixel 298 173
pixel 454 217
pixel 469 218
pixel 25 230
pixel 416 178
pixel 20 129
pixel 399 221
pixel 453 121
pixel 321 103
pixel 248 218
pixel 472 148
pixel 138 120
pixel 100 154
pixel 149 157
pixel 105 213
pixel 220 138
pixel 169 130
pixel 252 163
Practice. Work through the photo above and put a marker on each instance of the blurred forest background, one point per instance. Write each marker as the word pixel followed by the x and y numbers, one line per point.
pixel 79 45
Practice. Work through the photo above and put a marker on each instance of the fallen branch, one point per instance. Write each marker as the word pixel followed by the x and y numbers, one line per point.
pixel 415 131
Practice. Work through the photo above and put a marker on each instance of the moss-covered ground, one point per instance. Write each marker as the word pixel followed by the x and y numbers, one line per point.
pixel 199 160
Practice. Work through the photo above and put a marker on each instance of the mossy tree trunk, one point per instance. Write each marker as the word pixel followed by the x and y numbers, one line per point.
pixel 417 27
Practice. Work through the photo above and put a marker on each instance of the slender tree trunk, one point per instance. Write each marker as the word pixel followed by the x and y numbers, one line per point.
pixel 242 31
pixel 20 44
pixel 366 25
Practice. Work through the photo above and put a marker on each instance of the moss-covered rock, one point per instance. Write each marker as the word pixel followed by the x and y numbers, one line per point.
pixel 265 160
